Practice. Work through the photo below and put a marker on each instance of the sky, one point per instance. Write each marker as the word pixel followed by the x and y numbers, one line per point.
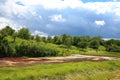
pixel 56 17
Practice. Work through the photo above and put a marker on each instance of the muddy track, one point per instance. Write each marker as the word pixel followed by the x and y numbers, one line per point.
pixel 32 61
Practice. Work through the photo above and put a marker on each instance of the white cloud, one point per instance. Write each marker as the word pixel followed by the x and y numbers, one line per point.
pixel 13 26
pixel 6 22
pixel 117 11
pixel 40 17
pixel 2 26
pixel 100 23
pixel 103 7
pixel 35 14
pixel 111 38
pixel 97 7
pixel 59 4
pixel 42 34
pixel 57 18
pixel 73 3
pixel 11 7
pixel 50 26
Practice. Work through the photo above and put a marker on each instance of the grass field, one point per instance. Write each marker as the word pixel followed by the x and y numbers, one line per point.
pixel 101 53
pixel 105 70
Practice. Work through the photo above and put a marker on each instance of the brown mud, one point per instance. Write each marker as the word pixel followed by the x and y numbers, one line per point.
pixel 31 61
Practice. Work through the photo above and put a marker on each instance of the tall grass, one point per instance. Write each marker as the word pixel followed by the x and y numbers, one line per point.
pixel 65 71
pixel 101 53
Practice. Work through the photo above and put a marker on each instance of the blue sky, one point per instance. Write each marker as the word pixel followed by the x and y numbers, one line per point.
pixel 55 17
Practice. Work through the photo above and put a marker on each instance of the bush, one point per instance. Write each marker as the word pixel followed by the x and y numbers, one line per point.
pixel 113 48
pixel 35 50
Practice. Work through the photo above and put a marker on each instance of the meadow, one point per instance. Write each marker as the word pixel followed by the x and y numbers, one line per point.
pixel 105 70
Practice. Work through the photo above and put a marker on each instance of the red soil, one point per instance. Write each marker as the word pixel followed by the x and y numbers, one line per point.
pixel 31 61
pixel 12 59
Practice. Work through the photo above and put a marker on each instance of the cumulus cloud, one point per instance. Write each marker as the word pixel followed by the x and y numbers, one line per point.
pixel 100 23
pixel 103 7
pixel 63 16
pixel 57 18
pixel 10 7
pixel 42 34
pixel 99 7
pixel 52 4
pixel 6 22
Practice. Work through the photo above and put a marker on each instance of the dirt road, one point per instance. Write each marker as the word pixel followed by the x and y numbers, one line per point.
pixel 71 58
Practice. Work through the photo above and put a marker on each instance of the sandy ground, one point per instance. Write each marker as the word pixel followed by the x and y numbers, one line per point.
pixel 32 61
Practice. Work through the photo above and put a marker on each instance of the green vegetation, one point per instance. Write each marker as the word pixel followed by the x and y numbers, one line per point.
pixel 22 43
pixel 64 71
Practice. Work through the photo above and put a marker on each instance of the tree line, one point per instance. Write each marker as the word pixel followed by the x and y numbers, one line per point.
pixel 30 43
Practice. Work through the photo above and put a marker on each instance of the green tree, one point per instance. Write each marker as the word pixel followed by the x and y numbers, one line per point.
pixel 24 33
pixel 57 40
pixel 94 44
pixel 66 40
pixel 7 31
pixel 49 39
pixel 76 40
pixel 15 34
pixel 44 39
pixel 38 38
pixel 3 46
pixel 6 50
pixel 32 37
pixel 83 44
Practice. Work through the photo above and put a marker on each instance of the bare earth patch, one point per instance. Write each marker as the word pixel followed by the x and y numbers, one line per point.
pixel 71 58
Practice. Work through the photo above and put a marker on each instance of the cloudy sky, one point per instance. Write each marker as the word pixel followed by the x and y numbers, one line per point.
pixel 55 17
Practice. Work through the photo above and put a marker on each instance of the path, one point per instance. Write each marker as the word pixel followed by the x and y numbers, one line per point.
pixel 71 58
